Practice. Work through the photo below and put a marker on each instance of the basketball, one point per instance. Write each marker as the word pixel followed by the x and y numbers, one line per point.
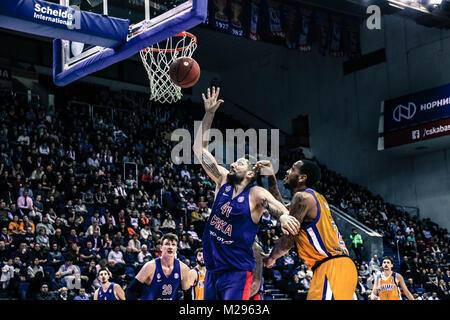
pixel 184 72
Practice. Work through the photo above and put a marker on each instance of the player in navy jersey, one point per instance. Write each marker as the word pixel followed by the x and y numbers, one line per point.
pixel 161 278
pixel 108 290
pixel 234 220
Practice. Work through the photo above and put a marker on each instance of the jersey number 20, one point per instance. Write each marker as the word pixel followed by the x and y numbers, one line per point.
pixel 167 289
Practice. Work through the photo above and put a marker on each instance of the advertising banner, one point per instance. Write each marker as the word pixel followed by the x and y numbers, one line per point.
pixel 417 108
pixel 419 133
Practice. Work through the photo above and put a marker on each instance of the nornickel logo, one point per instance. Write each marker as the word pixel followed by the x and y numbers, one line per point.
pixel 403 112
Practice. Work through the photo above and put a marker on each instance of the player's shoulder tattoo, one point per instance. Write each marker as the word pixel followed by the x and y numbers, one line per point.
pixel 299 204
pixel 210 165
pixel 300 197
pixel 276 212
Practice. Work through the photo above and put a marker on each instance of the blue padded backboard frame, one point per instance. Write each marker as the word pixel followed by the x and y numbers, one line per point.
pixel 51 20
pixel 182 21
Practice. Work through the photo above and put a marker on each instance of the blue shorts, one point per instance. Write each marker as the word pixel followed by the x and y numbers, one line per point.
pixel 228 285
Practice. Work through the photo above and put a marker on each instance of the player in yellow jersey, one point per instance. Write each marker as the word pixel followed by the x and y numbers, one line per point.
pixel 318 243
pixel 388 284
pixel 198 289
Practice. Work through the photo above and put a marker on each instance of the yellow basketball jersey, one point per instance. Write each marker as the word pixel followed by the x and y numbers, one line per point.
pixel 198 290
pixel 321 238
pixel 388 288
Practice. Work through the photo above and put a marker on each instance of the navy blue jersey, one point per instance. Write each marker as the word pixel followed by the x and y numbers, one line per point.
pixel 229 232
pixel 108 295
pixel 162 287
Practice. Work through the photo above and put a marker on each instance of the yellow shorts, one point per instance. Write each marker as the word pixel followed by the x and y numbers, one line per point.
pixel 334 279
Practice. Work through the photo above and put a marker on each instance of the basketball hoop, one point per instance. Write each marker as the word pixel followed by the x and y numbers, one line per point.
pixel 157 60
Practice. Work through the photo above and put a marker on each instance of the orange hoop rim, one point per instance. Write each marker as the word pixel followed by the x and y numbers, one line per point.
pixel 181 34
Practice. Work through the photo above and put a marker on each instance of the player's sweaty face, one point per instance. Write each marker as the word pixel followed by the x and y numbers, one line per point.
pixel 169 247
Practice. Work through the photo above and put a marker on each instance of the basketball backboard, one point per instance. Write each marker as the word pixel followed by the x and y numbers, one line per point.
pixel 150 21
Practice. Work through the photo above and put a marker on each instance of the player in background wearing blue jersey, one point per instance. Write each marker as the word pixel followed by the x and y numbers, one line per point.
pixel 108 290
pixel 160 278
pixel 231 228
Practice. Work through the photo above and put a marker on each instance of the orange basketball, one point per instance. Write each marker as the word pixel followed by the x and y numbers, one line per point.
pixel 184 72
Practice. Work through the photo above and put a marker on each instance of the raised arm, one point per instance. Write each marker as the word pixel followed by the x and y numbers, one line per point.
pixel 267 170
pixel 301 204
pixel 215 172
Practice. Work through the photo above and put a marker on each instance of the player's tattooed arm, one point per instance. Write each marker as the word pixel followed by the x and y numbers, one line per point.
pixel 265 201
pixel 212 168
pixel 299 207
pixel 274 210
pixel 273 188
pixel 266 169
pixel 300 204
pixel 282 247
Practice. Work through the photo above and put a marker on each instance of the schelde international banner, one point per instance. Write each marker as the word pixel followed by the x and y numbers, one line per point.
pixel 417 108
pixel 61 22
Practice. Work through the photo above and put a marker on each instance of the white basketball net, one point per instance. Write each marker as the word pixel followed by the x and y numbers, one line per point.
pixel 157 60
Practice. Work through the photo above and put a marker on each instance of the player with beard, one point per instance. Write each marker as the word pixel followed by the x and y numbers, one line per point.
pixel 199 287
pixel 160 278
pixel 388 284
pixel 319 242
pixel 234 220
pixel 108 290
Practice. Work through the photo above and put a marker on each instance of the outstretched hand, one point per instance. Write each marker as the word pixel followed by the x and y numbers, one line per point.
pixel 210 100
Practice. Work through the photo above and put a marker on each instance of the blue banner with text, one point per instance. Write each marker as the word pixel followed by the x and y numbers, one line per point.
pixel 417 108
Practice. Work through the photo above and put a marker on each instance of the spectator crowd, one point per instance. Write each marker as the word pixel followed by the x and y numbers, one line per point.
pixel 69 206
